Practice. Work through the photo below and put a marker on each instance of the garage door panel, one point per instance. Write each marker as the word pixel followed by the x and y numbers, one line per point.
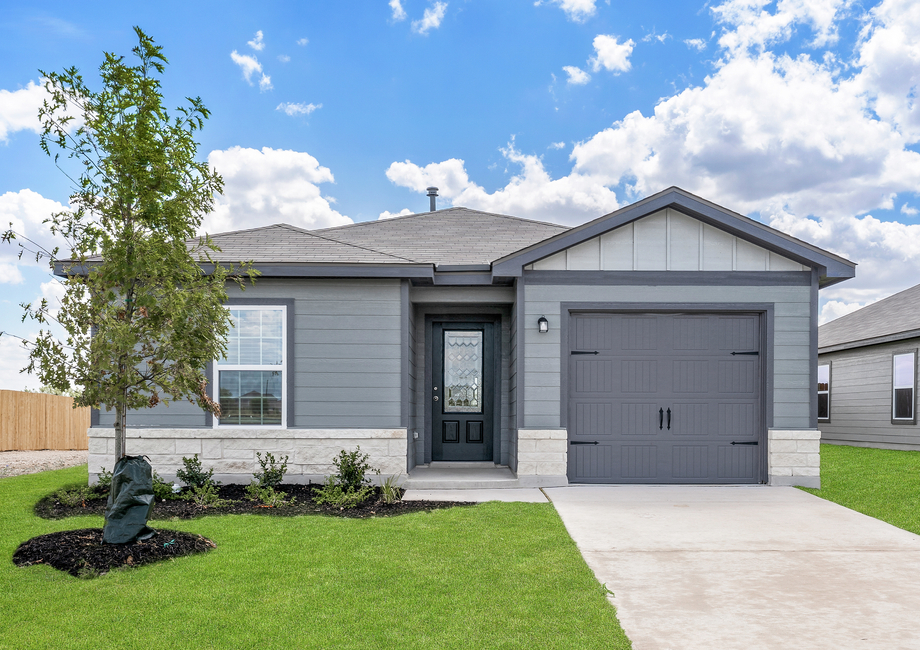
pixel 638 461
pixel 593 375
pixel 594 333
pixel 591 462
pixel 737 333
pixel 594 418
pixel 737 462
pixel 691 333
pixel 738 376
pixel 639 376
pixel 690 461
pixel 690 419
pixel 639 333
pixel 690 376
pixel 639 418
pixel 736 419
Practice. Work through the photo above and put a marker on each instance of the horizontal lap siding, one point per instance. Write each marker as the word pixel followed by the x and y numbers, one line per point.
pixel 791 344
pixel 861 398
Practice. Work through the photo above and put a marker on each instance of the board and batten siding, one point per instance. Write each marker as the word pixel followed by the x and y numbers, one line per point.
pixel 860 398
pixel 347 356
pixel 666 241
pixel 791 341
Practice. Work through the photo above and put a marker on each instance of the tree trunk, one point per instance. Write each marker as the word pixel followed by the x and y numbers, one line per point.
pixel 121 422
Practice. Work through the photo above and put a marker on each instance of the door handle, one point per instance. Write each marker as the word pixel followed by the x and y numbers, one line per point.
pixel 435 398
pixel 669 419
pixel 660 419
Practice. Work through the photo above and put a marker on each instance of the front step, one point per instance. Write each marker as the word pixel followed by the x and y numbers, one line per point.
pixel 472 476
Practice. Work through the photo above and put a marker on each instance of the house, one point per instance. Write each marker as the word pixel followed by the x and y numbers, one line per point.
pixel 867 375
pixel 670 341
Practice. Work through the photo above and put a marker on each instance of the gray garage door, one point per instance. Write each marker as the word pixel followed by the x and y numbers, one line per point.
pixel 664 398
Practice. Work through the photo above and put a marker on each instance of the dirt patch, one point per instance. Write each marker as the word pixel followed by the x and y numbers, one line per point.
pixel 50 508
pixel 81 553
pixel 15 463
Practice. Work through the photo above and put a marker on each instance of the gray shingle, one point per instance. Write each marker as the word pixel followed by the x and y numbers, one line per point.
pixel 893 315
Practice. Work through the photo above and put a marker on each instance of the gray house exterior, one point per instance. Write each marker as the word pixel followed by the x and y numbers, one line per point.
pixel 671 341
pixel 867 382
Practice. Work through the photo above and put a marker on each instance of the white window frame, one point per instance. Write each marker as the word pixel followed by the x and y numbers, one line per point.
pixel 827 392
pixel 913 386
pixel 283 368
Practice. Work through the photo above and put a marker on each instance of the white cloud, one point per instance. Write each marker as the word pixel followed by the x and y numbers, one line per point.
pixel 577 10
pixel 431 19
pixel 661 38
pixel 270 186
pixel 398 12
pixel 248 64
pixel 284 58
pixel 906 209
pixel 257 44
pixel 750 25
pixel 297 109
pixel 611 54
pixel 25 210
pixel 303 41
pixel 19 109
pixel 386 214
pixel 265 83
pixel 577 76
pixel 14 356
pixel 833 309
pixel 697 44
pixel 556 145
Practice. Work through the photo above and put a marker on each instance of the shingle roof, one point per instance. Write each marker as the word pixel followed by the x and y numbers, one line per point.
pixel 453 236
pixel 895 317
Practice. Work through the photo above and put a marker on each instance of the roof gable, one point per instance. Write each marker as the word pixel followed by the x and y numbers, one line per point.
pixel 894 318
pixel 831 268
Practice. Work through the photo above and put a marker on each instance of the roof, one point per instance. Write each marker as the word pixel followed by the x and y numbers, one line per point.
pixel 895 318
pixel 452 237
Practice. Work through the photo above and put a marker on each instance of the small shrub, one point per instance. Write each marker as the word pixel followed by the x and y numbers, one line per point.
pixel 267 496
pixel 205 496
pixel 390 491
pixel 163 490
pixel 337 495
pixel 104 482
pixel 272 472
pixel 193 475
pixel 352 469
pixel 75 496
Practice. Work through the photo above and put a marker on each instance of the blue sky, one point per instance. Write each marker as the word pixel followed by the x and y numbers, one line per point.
pixel 799 113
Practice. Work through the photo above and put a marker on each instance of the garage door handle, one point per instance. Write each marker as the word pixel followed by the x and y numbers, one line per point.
pixel 583 352
pixel 660 419
pixel 744 443
pixel 581 442
pixel 669 419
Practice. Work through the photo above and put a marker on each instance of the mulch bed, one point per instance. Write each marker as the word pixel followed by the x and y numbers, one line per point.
pixel 50 508
pixel 81 553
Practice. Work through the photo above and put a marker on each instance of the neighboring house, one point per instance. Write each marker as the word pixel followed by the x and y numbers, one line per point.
pixel 671 341
pixel 867 375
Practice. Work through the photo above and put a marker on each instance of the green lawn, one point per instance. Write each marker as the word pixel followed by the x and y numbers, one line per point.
pixel 881 483
pixel 498 575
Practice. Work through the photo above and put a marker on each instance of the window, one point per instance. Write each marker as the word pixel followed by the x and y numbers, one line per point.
pixel 251 379
pixel 902 388
pixel 824 392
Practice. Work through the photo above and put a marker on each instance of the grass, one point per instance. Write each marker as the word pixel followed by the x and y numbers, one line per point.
pixel 498 575
pixel 881 483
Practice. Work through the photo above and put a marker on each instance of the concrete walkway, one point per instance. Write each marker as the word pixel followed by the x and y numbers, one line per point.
pixel 747 568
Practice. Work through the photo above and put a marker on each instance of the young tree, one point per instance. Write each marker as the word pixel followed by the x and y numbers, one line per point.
pixel 143 308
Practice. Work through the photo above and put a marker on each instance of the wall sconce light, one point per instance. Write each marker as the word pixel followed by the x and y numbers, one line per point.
pixel 543 325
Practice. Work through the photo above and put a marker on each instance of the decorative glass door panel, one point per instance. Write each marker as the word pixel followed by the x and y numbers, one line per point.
pixel 462 372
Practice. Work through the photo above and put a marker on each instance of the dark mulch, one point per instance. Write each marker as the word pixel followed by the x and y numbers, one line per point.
pixel 81 552
pixel 51 508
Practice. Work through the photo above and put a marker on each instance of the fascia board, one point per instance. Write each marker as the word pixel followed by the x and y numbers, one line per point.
pixel 309 270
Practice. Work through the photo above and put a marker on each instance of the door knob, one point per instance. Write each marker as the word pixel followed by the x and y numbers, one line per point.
pixel 435 398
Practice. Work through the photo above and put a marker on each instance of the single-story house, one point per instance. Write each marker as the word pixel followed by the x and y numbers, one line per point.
pixel 867 375
pixel 670 341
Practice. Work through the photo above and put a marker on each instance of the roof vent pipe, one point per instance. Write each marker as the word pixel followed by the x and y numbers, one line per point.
pixel 433 197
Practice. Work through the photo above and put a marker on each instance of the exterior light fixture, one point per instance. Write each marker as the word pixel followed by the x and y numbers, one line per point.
pixel 543 325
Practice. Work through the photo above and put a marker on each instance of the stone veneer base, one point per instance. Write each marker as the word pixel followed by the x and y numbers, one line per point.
pixel 794 457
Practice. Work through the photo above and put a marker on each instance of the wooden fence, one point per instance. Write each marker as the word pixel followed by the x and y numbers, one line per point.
pixel 31 421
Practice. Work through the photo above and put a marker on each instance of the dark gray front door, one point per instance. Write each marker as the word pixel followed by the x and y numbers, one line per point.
pixel 462 391
pixel 664 398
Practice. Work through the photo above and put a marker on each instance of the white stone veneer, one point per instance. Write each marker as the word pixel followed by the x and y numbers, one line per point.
pixel 231 453
pixel 542 456
pixel 794 457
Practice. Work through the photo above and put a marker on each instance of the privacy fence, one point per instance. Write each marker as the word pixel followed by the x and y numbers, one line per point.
pixel 30 421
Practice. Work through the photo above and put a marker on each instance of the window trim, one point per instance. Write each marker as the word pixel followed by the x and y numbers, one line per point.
pixel 830 374
pixel 913 418
pixel 285 367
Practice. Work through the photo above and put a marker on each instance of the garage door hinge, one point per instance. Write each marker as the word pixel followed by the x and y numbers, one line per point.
pixel 583 352
pixel 582 442
pixel 744 443
pixel 755 353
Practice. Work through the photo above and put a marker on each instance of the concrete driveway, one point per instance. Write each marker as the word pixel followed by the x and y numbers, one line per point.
pixel 746 567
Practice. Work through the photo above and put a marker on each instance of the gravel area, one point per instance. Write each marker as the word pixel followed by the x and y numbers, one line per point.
pixel 14 463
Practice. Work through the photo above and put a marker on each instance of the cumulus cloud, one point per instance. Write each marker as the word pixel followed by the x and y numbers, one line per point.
pixel 256 43
pixel 661 38
pixel 906 209
pixel 19 109
pixel 265 83
pixel 556 145
pixel 14 356
pixel 576 10
pixel 386 214
pixel 267 186
pixel 26 210
pixel 431 19
pixel 577 76
pixel 611 54
pixel 833 309
pixel 302 41
pixel 248 64
pixel 697 44
pixel 398 13
pixel 750 25
pixel 284 58
pixel 297 109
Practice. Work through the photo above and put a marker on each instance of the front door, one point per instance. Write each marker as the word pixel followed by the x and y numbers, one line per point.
pixel 462 391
